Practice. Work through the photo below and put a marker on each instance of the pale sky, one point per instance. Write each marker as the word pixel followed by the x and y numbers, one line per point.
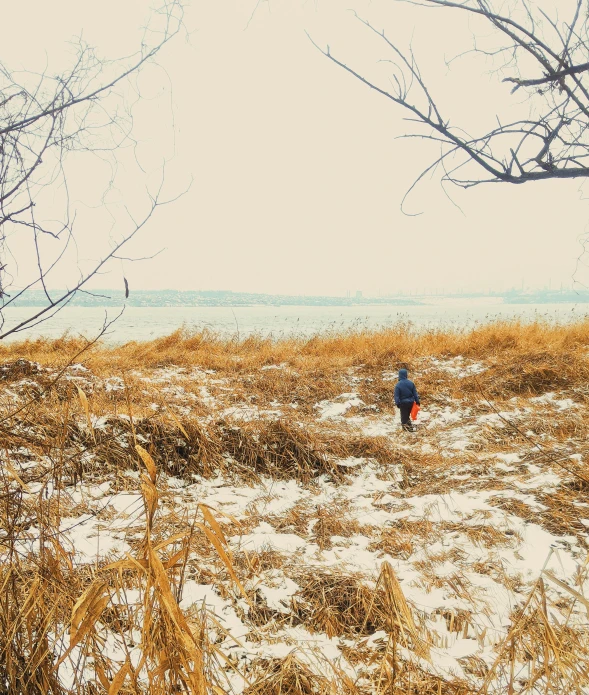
pixel 297 171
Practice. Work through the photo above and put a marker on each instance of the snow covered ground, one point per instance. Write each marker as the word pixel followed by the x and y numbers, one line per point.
pixel 477 513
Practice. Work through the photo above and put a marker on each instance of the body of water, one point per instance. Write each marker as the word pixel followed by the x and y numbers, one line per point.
pixel 146 323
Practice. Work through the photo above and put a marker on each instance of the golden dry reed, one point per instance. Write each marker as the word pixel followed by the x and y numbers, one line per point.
pixel 57 617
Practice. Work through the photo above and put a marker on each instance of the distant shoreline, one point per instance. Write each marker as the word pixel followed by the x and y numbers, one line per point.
pixel 218 299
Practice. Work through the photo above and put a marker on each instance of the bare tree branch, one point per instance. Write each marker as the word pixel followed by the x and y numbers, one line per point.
pixel 552 144
pixel 43 119
pixel 554 77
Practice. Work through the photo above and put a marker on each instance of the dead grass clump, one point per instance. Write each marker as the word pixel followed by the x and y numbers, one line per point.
pixel 46 351
pixel 288 676
pixel 561 426
pixel 260 615
pixel 483 535
pixel 337 604
pixel 380 393
pixel 576 484
pixel 399 538
pixel 304 387
pixel 515 507
pixel 19 369
pixel 561 515
pixel 88 454
pixel 295 520
pixel 393 543
pixel 256 563
pixel 474 666
pixel 425 474
pixel 354 444
pixel 396 677
pixel 184 447
pixel 336 521
pixel 456 620
pixel 432 579
pixel 531 372
pixel 279 448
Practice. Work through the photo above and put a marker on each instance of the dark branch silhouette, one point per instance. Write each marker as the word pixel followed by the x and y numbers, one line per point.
pixel 550 144
pixel 43 119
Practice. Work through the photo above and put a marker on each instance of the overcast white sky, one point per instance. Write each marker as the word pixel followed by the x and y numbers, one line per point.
pixel 298 175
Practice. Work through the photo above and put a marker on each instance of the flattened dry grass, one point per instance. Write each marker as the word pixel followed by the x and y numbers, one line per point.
pixel 401 538
pixel 287 385
pixel 279 448
pixel 348 442
pixel 531 372
pixel 184 446
pixel 483 535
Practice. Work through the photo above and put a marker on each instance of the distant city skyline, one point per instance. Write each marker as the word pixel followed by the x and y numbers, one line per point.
pixel 230 298
pixel 357 292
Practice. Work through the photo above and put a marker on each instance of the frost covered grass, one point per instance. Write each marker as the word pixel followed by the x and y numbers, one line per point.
pixel 210 516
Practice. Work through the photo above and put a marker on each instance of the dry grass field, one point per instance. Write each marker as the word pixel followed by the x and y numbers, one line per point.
pixel 211 516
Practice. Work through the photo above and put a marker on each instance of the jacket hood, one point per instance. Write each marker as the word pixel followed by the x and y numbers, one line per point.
pixel 402 373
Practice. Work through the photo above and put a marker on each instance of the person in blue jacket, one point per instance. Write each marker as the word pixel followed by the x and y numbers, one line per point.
pixel 405 396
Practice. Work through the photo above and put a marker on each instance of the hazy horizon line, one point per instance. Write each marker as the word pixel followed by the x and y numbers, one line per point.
pixel 349 293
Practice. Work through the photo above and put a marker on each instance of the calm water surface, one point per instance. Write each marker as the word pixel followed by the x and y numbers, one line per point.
pixel 139 323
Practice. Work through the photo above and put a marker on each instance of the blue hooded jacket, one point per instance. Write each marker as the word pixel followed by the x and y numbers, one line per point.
pixel 405 391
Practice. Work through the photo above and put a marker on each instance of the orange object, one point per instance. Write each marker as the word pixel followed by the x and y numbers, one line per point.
pixel 414 411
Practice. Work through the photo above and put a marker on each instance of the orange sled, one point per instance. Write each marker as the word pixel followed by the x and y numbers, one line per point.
pixel 414 411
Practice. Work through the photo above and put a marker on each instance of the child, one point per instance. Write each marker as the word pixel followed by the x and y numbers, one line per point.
pixel 405 396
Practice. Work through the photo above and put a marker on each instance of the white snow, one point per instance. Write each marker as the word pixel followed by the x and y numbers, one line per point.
pixel 329 409
pixel 263 537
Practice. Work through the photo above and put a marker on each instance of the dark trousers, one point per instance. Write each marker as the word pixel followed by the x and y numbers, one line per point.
pixel 405 409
